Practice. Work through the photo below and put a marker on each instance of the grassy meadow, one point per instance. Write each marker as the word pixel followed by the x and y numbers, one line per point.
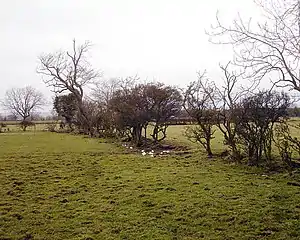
pixel 14 126
pixel 60 186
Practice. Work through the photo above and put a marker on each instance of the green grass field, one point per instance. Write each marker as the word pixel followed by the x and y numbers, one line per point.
pixel 59 186
pixel 14 126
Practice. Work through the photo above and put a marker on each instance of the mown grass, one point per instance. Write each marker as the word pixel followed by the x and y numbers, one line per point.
pixel 58 186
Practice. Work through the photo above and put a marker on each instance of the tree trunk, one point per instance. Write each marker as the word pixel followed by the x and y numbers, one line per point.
pixel 157 129
pixel 235 152
pixel 251 157
pixel 155 133
pixel 86 124
pixel 137 135
pixel 145 131
pixel 208 149
pixel 24 124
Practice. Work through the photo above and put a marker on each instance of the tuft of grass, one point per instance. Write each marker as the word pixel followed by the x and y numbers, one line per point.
pixel 58 186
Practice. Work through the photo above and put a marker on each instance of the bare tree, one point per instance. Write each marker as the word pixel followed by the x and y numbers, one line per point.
pixel 268 49
pixel 162 103
pixel 69 71
pixel 226 101
pixel 103 94
pixel 104 91
pixel 257 116
pixel 22 102
pixel 199 105
pixel 131 111
pixel 285 143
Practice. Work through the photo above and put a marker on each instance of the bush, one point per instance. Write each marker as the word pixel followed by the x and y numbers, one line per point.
pixel 51 127
pixel 2 125
pixel 256 119
pixel 25 123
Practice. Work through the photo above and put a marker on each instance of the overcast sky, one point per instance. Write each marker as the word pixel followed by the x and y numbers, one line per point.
pixel 157 39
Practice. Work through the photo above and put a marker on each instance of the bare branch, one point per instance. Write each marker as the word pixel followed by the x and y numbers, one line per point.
pixel 68 71
pixel 23 102
pixel 270 48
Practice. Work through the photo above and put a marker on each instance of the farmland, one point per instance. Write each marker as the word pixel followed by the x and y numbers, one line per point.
pixel 59 186
pixel 139 148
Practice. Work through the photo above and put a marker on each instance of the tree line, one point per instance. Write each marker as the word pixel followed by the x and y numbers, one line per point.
pixel 252 121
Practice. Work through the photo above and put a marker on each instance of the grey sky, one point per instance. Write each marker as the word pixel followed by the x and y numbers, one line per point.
pixel 156 39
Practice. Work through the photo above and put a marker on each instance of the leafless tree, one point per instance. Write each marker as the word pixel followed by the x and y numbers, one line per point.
pixel 164 102
pixel 268 49
pixel 257 116
pixel 69 71
pixel 94 112
pixel 104 94
pixel 22 102
pixel 199 105
pixel 134 106
pixel 103 91
pixel 131 110
pixel 226 101
pixel 285 143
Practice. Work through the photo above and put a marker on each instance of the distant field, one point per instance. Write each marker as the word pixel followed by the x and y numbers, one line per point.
pixel 59 186
pixel 14 125
pixel 36 122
